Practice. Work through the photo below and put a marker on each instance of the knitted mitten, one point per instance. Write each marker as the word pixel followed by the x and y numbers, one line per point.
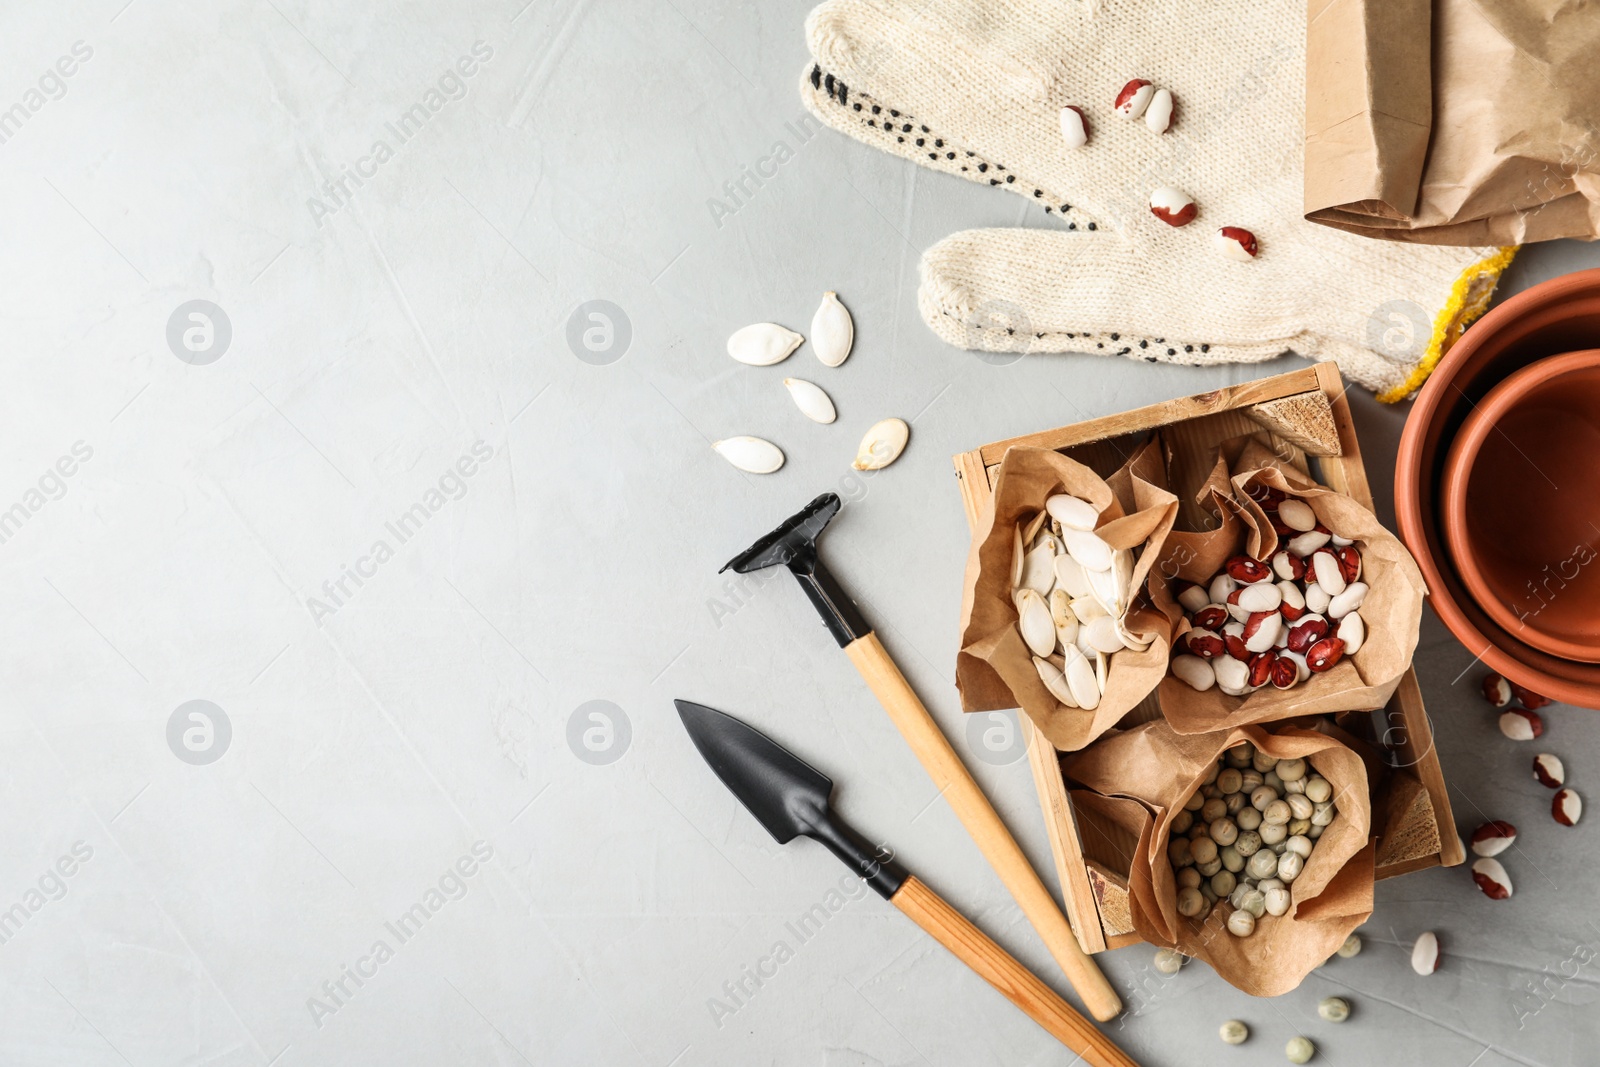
pixel 976 88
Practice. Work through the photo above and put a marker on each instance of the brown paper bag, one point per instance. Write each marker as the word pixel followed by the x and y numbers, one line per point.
pixel 1392 610
pixel 1453 122
pixel 994 669
pixel 1333 895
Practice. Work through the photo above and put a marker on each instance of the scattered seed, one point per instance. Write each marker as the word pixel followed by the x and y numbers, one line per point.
pixel 1490 876
pixel 1235 243
pixel 1172 206
pixel 813 403
pixel 1519 724
pixel 1493 838
pixel 763 344
pixel 1234 1032
pixel 882 445
pixel 1074 127
pixel 1299 1050
pixel 1158 114
pixel 750 454
pixel 1134 98
pixel 1334 1009
pixel 832 331
pixel 1548 771
pixel 1425 954
pixel 1496 690
pixel 1567 807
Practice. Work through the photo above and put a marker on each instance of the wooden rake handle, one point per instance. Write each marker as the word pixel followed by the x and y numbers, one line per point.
pixel 1018 984
pixel 956 783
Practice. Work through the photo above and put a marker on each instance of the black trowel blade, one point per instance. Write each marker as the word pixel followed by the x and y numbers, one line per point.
pixel 786 795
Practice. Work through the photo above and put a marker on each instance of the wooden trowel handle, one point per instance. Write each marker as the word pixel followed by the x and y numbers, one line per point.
pixel 1018 984
pixel 956 783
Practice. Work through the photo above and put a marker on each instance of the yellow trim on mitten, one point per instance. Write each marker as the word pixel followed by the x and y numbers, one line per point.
pixel 1469 298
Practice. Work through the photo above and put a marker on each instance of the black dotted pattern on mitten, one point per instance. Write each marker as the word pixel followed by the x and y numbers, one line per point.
pixel 901 134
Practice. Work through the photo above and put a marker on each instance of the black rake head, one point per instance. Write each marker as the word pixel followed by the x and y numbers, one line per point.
pixel 795 539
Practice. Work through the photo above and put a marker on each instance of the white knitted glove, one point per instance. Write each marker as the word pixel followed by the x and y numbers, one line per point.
pixel 976 87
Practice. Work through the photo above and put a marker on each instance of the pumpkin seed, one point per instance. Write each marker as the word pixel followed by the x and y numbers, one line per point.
pixel 1016 557
pixel 813 403
pixel 1073 513
pixel 1038 569
pixel 1087 609
pixel 1061 614
pixel 1081 680
pixel 1111 594
pixel 832 331
pixel 1103 636
pixel 1035 524
pixel 763 344
pixel 1071 577
pixel 1091 553
pixel 882 445
pixel 750 454
pixel 1131 639
pixel 1033 619
pixel 1055 681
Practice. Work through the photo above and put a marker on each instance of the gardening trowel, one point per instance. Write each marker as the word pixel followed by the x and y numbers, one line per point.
pixel 790 798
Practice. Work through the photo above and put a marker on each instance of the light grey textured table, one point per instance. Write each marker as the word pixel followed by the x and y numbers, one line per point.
pixel 401 539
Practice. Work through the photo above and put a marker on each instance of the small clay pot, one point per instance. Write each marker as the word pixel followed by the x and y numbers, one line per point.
pixel 1522 504
pixel 1560 315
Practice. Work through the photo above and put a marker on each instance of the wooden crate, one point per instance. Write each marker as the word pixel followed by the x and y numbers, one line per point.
pixel 1308 421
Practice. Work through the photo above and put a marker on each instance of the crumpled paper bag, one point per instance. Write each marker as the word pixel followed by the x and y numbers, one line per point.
pixel 1161 769
pixel 994 669
pixel 1392 610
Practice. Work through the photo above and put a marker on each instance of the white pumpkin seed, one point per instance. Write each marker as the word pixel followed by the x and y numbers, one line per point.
pixel 1102 668
pixel 1016 557
pixel 1033 619
pixel 1081 680
pixel 1091 553
pixel 1038 569
pixel 1110 593
pixel 813 403
pixel 1072 512
pixel 750 454
pixel 1061 608
pixel 1071 577
pixel 1131 639
pixel 1087 609
pixel 1103 635
pixel 882 445
pixel 832 331
pixel 763 344
pixel 1035 524
pixel 1055 681
pixel 1061 614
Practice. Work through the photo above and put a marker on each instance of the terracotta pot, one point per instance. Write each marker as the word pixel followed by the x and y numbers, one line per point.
pixel 1522 504
pixel 1561 315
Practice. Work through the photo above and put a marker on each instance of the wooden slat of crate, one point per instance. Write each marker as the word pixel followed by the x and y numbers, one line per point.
pixel 1297 424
